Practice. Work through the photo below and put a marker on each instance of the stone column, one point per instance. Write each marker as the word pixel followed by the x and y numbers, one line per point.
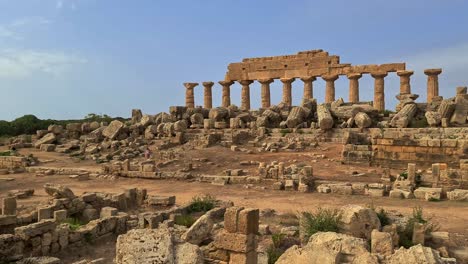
pixel 245 95
pixel 287 87
pixel 266 99
pixel 207 95
pixel 432 83
pixel 226 99
pixel 354 87
pixel 379 90
pixel 189 94
pixel 405 85
pixel 308 87
pixel 330 87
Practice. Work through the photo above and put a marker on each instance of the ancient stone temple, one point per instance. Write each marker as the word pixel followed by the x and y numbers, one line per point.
pixel 307 66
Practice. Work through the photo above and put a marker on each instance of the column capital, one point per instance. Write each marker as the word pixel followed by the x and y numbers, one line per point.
pixel 245 82
pixel 226 83
pixel 330 77
pixel 208 84
pixel 266 81
pixel 287 80
pixel 379 75
pixel 405 73
pixel 190 85
pixel 354 76
pixel 432 71
pixel 308 79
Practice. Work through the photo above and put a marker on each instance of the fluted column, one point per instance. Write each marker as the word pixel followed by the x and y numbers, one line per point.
pixel 287 87
pixel 190 95
pixel 245 95
pixel 405 85
pixel 266 99
pixel 379 90
pixel 207 95
pixel 330 87
pixel 432 83
pixel 226 95
pixel 308 87
pixel 354 87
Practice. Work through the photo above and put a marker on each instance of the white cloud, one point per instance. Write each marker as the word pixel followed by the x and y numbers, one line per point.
pixel 14 29
pixel 23 63
pixel 59 4
pixel 451 59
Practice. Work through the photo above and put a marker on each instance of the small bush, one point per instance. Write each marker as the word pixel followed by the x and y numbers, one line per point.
pixel 5 154
pixel 324 220
pixel 73 223
pixel 383 217
pixel 406 233
pixel 202 203
pixel 274 254
pixel 184 220
pixel 404 175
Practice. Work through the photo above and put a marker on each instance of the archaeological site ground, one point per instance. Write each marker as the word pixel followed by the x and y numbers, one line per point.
pixel 340 181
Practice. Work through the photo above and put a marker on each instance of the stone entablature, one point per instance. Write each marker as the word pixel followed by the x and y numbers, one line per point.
pixel 304 64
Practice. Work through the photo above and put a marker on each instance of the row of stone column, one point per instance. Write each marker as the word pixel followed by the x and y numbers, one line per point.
pixel 379 89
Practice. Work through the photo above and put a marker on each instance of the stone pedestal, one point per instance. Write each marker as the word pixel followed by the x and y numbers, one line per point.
pixel 245 95
pixel 308 87
pixel 379 90
pixel 190 95
pixel 287 87
pixel 405 85
pixel 354 87
pixel 330 87
pixel 432 83
pixel 226 95
pixel 207 95
pixel 266 98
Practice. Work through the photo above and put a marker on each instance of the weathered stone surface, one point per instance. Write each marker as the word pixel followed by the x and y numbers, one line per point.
pixel 433 118
pixel 329 247
pixel 325 119
pixel 235 242
pixel 458 195
pixel 11 248
pixel 47 139
pixel 147 246
pixel 58 191
pixel 415 255
pixel 359 221
pixel 404 116
pixel 113 129
pixel 219 114
pixel 40 260
pixel 381 243
pixel 362 120
pixel 199 231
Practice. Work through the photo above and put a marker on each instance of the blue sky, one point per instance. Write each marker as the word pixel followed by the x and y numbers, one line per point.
pixel 67 58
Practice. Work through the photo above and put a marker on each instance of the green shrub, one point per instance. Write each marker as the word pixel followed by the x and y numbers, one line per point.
pixel 184 220
pixel 202 203
pixel 73 223
pixel 274 254
pixel 5 153
pixel 383 217
pixel 404 175
pixel 324 220
pixel 406 233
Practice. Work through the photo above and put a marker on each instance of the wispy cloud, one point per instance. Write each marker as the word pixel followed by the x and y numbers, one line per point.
pixel 20 64
pixel 14 29
pixel 59 4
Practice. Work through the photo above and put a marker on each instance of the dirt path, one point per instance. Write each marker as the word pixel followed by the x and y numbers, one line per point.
pixel 452 216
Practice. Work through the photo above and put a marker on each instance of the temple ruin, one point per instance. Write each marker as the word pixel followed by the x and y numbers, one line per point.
pixel 308 66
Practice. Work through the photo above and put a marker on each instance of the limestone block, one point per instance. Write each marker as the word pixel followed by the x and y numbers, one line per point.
pixel 230 218
pixel 60 215
pixel 359 221
pixel 47 139
pixel 235 242
pixel 419 232
pixel 248 220
pixel 381 243
pixel 458 195
pixel 9 206
pixel 44 213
